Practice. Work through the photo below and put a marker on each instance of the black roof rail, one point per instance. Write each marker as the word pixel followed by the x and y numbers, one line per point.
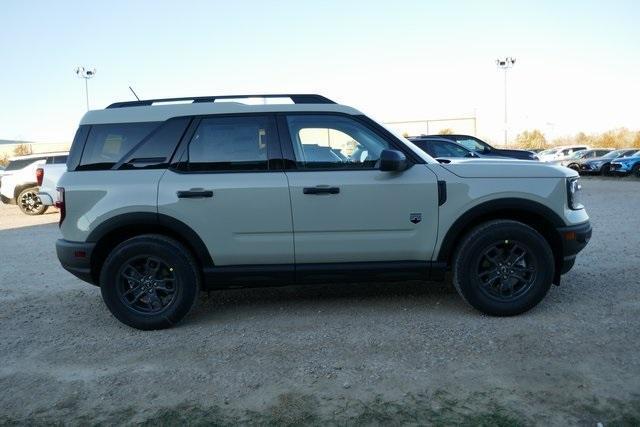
pixel 295 98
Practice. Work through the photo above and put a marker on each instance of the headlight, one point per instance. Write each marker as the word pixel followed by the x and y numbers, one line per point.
pixel 574 193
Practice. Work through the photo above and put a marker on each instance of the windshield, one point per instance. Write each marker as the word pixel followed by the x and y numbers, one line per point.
pixel 19 164
pixel 550 151
pixel 578 154
pixel 613 154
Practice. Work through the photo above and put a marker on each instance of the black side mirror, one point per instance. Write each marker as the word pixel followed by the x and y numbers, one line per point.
pixel 486 150
pixel 392 161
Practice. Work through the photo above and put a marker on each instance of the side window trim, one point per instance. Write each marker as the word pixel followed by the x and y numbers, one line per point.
pixel 288 153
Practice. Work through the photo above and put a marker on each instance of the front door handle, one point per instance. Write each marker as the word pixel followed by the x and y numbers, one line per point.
pixel 194 194
pixel 321 190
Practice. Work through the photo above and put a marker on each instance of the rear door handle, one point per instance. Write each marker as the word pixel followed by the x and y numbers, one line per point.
pixel 194 194
pixel 321 190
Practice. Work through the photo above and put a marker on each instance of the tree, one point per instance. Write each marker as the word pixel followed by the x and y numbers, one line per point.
pixel 22 150
pixel 531 139
pixel 445 131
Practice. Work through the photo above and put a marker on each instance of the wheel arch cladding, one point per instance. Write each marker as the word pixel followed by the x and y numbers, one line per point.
pixel 116 230
pixel 541 218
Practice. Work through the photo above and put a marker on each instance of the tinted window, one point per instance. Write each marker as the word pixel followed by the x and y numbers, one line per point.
pixel 157 148
pixel 107 144
pixel 444 149
pixel 325 141
pixel 20 164
pixel 76 147
pixel 472 144
pixel 231 143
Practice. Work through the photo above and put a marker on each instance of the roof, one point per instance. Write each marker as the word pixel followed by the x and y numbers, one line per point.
pixel 146 111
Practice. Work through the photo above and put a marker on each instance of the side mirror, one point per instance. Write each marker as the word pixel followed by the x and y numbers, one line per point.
pixel 392 161
pixel 486 150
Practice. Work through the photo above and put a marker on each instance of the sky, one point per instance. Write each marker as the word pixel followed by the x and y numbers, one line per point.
pixel 577 62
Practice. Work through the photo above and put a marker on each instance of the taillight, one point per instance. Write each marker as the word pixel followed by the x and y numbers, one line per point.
pixel 39 176
pixel 60 204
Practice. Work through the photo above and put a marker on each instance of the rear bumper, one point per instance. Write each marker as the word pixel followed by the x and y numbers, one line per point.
pixel 574 239
pixel 75 257
pixel 45 198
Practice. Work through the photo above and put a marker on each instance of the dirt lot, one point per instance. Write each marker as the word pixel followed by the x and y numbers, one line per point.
pixel 359 354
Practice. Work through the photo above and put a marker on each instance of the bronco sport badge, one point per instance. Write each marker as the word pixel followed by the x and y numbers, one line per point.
pixel 415 217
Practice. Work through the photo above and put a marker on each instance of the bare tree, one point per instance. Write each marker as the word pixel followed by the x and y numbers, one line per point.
pixel 22 150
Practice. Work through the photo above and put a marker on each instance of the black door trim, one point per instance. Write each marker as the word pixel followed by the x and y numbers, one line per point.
pixel 247 276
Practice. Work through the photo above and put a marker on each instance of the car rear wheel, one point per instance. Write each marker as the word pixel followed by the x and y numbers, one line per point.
pixel 636 170
pixel 29 202
pixel 150 282
pixel 574 166
pixel 606 170
pixel 503 268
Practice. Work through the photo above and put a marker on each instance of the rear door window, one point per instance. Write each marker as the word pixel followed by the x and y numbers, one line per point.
pixel 230 144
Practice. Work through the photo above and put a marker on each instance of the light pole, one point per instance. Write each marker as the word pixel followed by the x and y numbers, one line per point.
pixel 86 74
pixel 505 64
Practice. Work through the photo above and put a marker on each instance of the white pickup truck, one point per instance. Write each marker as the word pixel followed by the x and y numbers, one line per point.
pixel 20 182
pixel 47 177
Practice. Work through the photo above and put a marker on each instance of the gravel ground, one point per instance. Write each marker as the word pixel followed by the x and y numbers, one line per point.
pixel 359 354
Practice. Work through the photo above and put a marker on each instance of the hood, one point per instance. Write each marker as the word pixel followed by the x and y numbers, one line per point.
pixel 505 168
pixel 626 159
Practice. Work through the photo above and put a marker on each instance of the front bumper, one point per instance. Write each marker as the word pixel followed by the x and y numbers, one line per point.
pixel 574 239
pixel 75 257
pixel 620 168
pixel 590 168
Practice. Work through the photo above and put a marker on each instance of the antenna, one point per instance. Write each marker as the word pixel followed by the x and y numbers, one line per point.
pixel 134 93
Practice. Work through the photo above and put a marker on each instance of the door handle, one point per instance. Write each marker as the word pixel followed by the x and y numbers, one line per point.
pixel 194 194
pixel 321 190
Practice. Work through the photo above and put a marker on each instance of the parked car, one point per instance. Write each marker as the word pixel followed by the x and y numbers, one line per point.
pixel 483 148
pixel 47 177
pixel 441 148
pixel 602 165
pixel 579 157
pixel 560 153
pixel 161 201
pixel 626 165
pixel 18 184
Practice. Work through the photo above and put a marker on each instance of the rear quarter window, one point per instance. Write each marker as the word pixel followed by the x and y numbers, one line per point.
pixel 107 144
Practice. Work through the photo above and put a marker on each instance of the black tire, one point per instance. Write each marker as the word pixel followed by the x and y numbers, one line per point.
pixel 636 170
pixel 606 170
pixel 473 263
pixel 29 202
pixel 575 167
pixel 161 285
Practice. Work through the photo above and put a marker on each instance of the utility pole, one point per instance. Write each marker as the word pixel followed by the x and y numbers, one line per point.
pixel 86 74
pixel 505 64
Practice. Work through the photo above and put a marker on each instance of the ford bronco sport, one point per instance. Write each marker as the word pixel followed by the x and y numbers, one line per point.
pixel 162 200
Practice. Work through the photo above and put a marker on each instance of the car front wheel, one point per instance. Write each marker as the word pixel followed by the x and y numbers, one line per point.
pixel 503 268
pixel 150 282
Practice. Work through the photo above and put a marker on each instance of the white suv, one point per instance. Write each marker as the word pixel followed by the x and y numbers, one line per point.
pixel 161 201
pixel 19 184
